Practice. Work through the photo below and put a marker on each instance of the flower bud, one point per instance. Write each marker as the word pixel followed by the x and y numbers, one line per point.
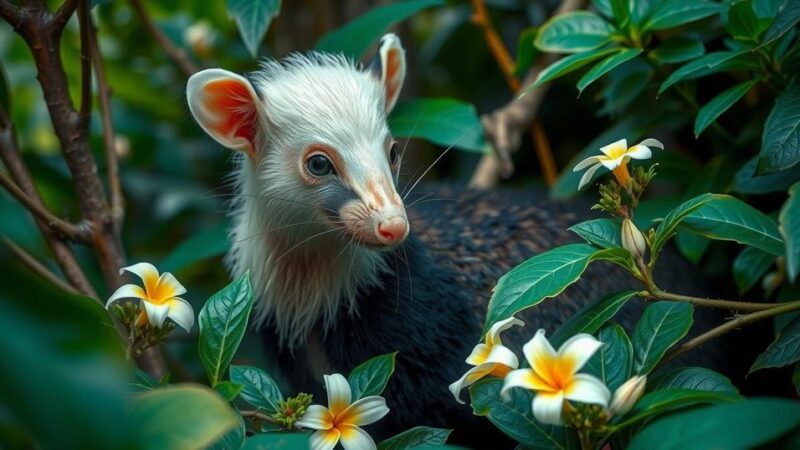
pixel 633 240
pixel 627 395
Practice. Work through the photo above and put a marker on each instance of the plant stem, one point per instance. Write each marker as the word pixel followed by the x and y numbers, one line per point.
pixel 258 415
pixel 713 302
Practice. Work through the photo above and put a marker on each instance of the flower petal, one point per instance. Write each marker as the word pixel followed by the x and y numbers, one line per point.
pixel 126 291
pixel 316 417
pixel 156 314
pixel 615 149
pixel 469 378
pixel 650 142
pixel 181 312
pixel 578 349
pixel 147 272
pixel 540 356
pixel 354 438
pixel 587 176
pixel 526 379
pixel 324 439
pixel 585 163
pixel 493 336
pixel 339 395
pixel 639 152
pixel 478 355
pixel 501 354
pixel 585 388
pixel 612 163
pixel 364 411
pixel 548 406
pixel 168 287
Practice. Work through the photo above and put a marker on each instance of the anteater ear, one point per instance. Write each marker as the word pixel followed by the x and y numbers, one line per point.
pixel 226 106
pixel 390 66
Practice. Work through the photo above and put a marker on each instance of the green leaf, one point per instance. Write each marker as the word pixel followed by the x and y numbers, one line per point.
pixel 789 221
pixel 231 440
pixel 746 424
pixel 749 266
pixel 719 104
pixel 416 437
pixel 621 10
pixel 661 326
pixel 591 317
pixel 658 402
pixel 573 32
pixel 786 19
pixel 223 321
pixel 443 121
pixel 355 37
pixel 228 390
pixel 746 181
pixel 259 389
pixel 742 23
pixel 569 64
pixel 604 233
pixel 675 13
pixel 371 376
pixel 692 246
pixel 543 276
pixel 181 417
pixel 706 65
pixel 678 49
pixel 784 350
pixel 624 85
pixel 253 17
pixel 277 441
pixel 515 417
pixel 606 65
pixel 695 378
pixel 207 243
pixel 526 51
pixel 780 142
pixel 613 362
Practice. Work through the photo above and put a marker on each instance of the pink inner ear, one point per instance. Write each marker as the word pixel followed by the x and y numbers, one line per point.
pixel 392 66
pixel 231 102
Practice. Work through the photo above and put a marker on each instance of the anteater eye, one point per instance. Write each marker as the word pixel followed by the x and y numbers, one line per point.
pixel 393 154
pixel 319 165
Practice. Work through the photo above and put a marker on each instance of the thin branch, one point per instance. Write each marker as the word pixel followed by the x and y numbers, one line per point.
pixel 85 25
pixel 176 54
pixel 62 15
pixel 496 46
pixel 712 302
pixel 10 12
pixel 37 267
pixel 258 415
pixel 112 162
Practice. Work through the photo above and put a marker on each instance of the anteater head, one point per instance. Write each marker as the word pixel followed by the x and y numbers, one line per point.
pixel 317 203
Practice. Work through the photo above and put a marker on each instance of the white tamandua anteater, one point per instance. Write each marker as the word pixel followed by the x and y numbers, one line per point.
pixel 339 273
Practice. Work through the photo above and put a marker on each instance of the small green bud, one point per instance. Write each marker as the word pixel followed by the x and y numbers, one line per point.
pixel 292 409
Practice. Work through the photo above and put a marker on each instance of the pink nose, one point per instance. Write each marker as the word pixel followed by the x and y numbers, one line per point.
pixel 391 231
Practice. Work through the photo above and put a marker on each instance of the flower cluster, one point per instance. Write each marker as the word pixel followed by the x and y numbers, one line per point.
pixel 552 374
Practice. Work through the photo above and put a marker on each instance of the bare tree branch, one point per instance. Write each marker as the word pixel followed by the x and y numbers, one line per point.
pixel 175 53
pixel 10 13
pixel 85 25
pixel 62 15
pixel 37 267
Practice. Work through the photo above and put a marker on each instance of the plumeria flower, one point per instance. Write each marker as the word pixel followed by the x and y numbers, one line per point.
pixel 489 358
pixel 553 375
pixel 160 297
pixel 615 158
pixel 341 420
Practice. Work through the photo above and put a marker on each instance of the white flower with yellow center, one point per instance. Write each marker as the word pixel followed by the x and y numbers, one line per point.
pixel 555 378
pixel 160 297
pixel 489 358
pixel 341 420
pixel 615 158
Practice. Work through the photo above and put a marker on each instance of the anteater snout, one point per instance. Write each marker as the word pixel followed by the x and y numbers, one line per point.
pixel 391 231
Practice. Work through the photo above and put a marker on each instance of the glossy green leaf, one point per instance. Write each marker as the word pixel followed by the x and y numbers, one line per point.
pixel 749 266
pixel 223 321
pixel 746 181
pixel 277 441
pixel 789 221
pixel 526 51
pixel 614 361
pixel 742 22
pixel 182 417
pixel 678 49
pixel 543 276
pixel 695 378
pixel 719 104
pixel 569 64
pixel 787 18
pixel 746 425
pixel 675 13
pixel 591 317
pixel 604 233
pixel 573 32
pixel 661 326
pixel 259 389
pixel 231 440
pixel 705 65
pixel 515 417
pixel 443 121
pixel 416 437
pixel 780 142
pixel 624 85
pixel 253 18
pixel 606 65
pixel 205 244
pixel 663 400
pixel 228 390
pixel 356 36
pixel 371 376
pixel 784 350
pixel 692 246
